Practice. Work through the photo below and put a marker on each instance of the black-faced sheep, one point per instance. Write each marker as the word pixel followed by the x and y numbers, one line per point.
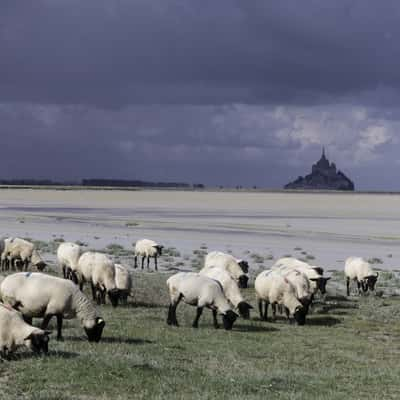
pixel 273 288
pixel 359 270
pixel 147 249
pixel 199 291
pixel 38 295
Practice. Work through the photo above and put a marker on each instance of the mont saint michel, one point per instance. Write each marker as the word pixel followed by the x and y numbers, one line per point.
pixel 324 176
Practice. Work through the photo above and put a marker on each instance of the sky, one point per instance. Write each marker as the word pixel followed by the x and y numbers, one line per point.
pixel 220 92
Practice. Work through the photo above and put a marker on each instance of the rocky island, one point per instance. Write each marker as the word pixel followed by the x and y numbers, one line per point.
pixel 324 176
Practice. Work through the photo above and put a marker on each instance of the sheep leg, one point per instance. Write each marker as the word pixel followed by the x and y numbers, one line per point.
pixel 143 261
pixel 25 264
pixel 93 291
pixel 214 313
pixel 273 312
pixel 155 262
pixel 359 288
pixel 148 262
pixel 260 308
pixel 198 315
pixel 135 266
pixel 348 286
pixel 46 321
pixel 59 326
pixel 265 317
pixel 287 312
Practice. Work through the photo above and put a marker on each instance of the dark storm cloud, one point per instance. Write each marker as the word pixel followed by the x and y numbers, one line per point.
pixel 220 92
pixel 111 53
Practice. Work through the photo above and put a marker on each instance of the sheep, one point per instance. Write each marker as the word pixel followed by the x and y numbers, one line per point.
pixel 98 270
pixel 273 288
pixel 230 264
pixel 38 295
pixel 313 273
pixel 301 284
pixel 19 253
pixel 200 291
pixel 68 257
pixel 231 289
pixel 123 280
pixel 15 332
pixel 359 270
pixel 147 248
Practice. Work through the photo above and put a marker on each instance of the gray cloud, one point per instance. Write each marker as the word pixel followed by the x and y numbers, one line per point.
pixel 228 92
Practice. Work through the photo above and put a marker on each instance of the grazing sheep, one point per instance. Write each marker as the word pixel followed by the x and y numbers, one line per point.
pixel 68 257
pixel 231 289
pixel 300 282
pixel 98 270
pixel 313 273
pixel 15 332
pixel 147 248
pixel 19 253
pixel 200 291
pixel 38 295
pixel 123 280
pixel 230 264
pixel 359 270
pixel 273 288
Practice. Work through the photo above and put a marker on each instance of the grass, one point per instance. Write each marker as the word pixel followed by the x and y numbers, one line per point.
pixel 348 349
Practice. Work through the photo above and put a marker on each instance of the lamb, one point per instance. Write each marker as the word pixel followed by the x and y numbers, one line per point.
pixel 313 273
pixel 38 295
pixel 200 291
pixel 273 288
pixel 98 270
pixel 19 253
pixel 230 264
pixel 15 332
pixel 147 248
pixel 68 257
pixel 123 280
pixel 359 270
pixel 231 289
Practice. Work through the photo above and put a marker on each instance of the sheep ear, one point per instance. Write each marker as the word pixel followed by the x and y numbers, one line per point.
pixel 314 279
pixel 100 322
pixel 327 278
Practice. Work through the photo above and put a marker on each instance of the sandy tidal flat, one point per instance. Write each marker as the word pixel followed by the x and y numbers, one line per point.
pixel 326 227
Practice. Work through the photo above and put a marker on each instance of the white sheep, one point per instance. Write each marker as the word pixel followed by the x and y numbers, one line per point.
pixel 359 270
pixel 68 257
pixel 15 332
pixel 300 282
pixel 19 253
pixel 273 288
pixel 313 273
pixel 147 248
pixel 98 270
pixel 200 291
pixel 230 264
pixel 231 289
pixel 123 280
pixel 37 295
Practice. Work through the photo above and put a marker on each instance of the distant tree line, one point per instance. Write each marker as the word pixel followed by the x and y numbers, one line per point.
pixel 98 182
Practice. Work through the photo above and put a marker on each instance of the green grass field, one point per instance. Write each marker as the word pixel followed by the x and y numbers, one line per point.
pixel 349 349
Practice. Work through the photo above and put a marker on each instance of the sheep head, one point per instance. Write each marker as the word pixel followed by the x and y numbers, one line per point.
pixel 244 309
pixel 228 319
pixel 38 341
pixel 321 283
pixel 300 314
pixel 94 332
